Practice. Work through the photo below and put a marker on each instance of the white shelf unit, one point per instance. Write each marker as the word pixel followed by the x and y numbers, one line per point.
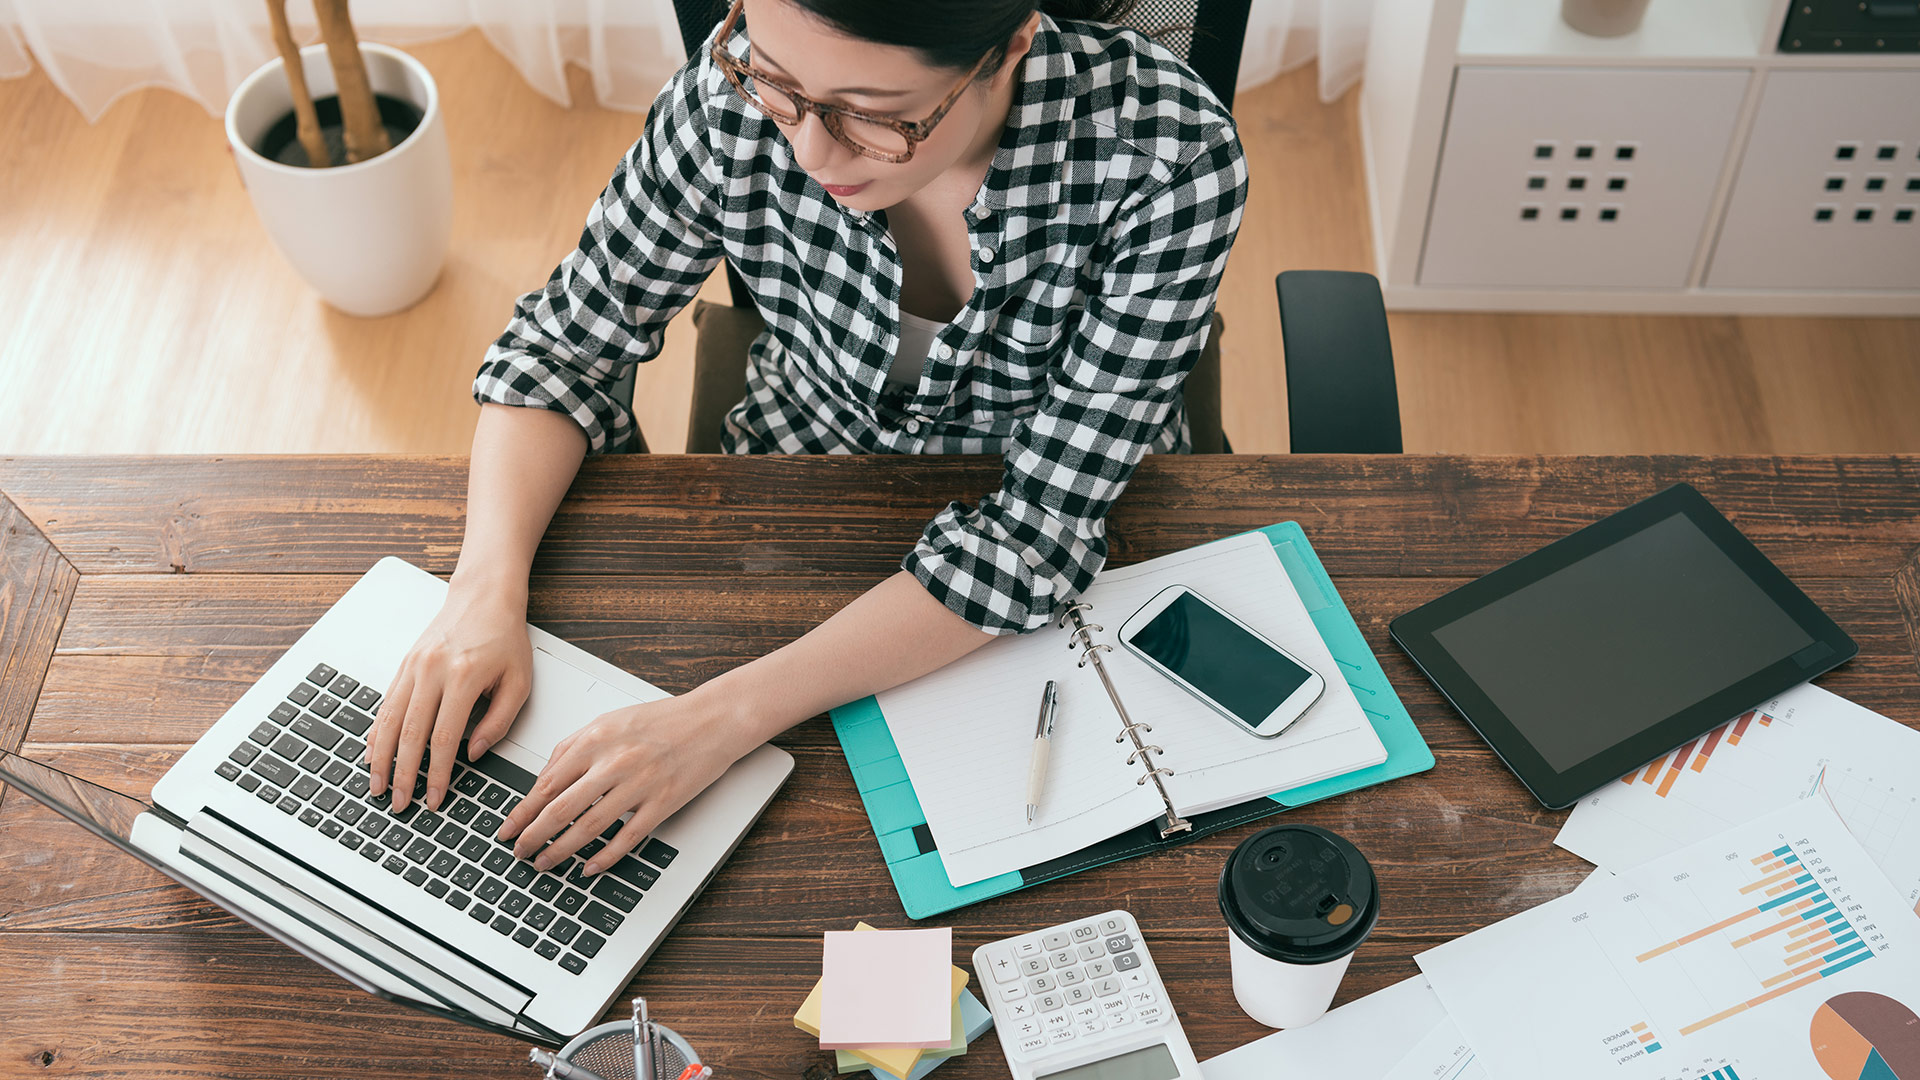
pixel 1493 135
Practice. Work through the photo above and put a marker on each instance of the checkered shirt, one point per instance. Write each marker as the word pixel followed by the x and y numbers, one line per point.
pixel 1099 239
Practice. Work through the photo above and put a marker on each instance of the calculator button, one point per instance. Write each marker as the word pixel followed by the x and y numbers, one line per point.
pixel 1000 962
pixel 1060 1035
pixel 1055 941
pixel 1084 932
pixel 1027 948
pixel 1027 1028
pixel 1086 1012
pixel 1049 1003
pixel 1013 992
pixel 1065 958
pixel 1078 994
pixel 1126 962
pixel 1056 1021
pixel 1113 1005
pixel 1069 976
pixel 1106 987
pixel 1119 944
pixel 1141 997
pixel 1020 1010
pixel 1113 924
pixel 1099 969
pixel 1136 978
pixel 1089 951
pixel 1040 984
pixel 1119 1019
pixel 1091 1027
pixel 1033 1045
pixel 1033 965
pixel 1150 1015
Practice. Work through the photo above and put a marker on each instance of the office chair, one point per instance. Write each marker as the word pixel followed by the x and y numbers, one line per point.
pixel 1209 35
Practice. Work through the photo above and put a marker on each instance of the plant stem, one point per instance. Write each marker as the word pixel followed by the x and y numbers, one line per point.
pixel 359 114
pixel 306 120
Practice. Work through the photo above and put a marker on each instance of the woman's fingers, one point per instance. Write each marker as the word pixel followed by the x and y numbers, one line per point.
pixel 386 726
pixel 557 798
pixel 589 823
pixel 502 707
pixel 457 698
pixel 646 818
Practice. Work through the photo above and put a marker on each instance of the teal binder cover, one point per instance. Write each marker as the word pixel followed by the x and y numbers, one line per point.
pixel 906 843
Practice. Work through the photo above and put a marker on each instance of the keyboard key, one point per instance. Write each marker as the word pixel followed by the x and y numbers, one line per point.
pixel 336 772
pixel 396 837
pixel 349 749
pixel 486 822
pixel 467 876
pixel 357 785
pixel 353 720
pixel 573 964
pixel 658 853
pixel 443 863
pixel 458 901
pixel 511 803
pixel 491 889
pixel 420 850
pixel 474 848
pixel 289 746
pixel 547 949
pixel 342 686
pixel 275 770
pixel 506 772
pixel 303 693
pixel 365 699
pixel 264 733
pixel 267 794
pixel 634 872
pixel 288 805
pixel 570 901
pixel 350 840
pixel 427 823
pixel 451 836
pixel 497 861
pixel 539 916
pixel 615 892
pixel 546 886
pixel 328 799
pixel 588 943
pixel 304 787
pixel 480 913
pixel 502 925
pixel 463 810
pixel 383 800
pixel 404 816
pixel 578 876
pixel 521 874
pixel 282 713
pixel 227 770
pixel 373 825
pixel 370 851
pixel 514 903
pixel 321 675
pixel 244 753
pixel 330 828
pixel 601 918
pixel 316 731
pixel 525 938
pixel 416 876
pixel 564 930
pixel 310 817
pixel 469 782
pixel 314 760
pixel 324 705
pixel 436 887
pixel 493 796
pixel 350 813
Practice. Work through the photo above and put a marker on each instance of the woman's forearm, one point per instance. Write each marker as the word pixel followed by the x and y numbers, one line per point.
pixel 524 459
pixel 893 633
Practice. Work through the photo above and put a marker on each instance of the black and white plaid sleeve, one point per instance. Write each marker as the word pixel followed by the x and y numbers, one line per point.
pixel 1008 564
pixel 650 240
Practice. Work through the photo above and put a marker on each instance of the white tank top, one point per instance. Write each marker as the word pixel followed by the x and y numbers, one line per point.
pixel 916 341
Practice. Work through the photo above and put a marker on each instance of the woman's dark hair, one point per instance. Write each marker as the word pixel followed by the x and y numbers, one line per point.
pixel 953 33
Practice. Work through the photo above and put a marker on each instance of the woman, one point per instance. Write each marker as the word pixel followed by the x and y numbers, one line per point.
pixel 969 228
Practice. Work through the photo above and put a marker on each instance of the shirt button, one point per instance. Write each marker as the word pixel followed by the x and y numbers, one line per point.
pixel 986 254
pixel 912 427
pixel 944 352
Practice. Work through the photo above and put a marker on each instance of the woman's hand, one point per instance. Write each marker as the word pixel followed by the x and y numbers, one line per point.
pixel 651 758
pixel 476 645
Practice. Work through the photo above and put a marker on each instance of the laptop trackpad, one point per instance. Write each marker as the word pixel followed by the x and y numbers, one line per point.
pixel 564 700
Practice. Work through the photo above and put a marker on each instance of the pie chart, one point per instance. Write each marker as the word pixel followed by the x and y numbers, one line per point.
pixel 1866 1036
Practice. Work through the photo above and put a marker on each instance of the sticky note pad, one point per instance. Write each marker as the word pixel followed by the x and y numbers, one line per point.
pixel 886 988
pixel 895 1061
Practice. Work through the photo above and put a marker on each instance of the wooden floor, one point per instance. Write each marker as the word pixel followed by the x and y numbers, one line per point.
pixel 149 313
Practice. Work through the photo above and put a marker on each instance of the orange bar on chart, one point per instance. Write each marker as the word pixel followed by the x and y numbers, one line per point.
pixel 1673 771
pixel 1740 728
pixel 1713 740
pixel 1771 878
pixel 1700 933
pixel 1653 770
pixel 1745 1005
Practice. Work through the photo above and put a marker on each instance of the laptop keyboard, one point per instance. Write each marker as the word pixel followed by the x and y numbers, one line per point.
pixel 304 760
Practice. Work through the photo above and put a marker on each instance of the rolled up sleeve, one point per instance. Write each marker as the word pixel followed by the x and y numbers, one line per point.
pixel 1009 563
pixel 650 241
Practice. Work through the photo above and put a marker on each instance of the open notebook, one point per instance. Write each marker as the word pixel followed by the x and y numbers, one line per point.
pixel 965 732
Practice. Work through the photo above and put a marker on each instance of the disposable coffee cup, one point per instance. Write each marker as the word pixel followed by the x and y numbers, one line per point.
pixel 1298 901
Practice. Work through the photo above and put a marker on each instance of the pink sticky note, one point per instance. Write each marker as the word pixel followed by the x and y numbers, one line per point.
pixel 887 988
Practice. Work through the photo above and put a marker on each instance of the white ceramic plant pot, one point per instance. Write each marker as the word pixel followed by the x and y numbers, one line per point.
pixel 369 237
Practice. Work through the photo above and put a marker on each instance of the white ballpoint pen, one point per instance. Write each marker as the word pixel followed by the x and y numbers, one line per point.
pixel 1042 742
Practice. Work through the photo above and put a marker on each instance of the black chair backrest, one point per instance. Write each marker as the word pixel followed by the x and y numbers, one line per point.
pixel 1207 34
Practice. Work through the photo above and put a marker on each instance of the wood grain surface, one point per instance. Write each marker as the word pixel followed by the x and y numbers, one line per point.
pixel 181 579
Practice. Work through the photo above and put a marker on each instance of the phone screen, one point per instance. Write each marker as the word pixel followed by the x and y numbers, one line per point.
pixel 1221 660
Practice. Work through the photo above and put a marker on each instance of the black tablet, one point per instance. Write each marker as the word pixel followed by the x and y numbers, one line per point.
pixel 1604 650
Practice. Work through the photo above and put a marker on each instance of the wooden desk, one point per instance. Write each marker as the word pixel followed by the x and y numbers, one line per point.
pixel 139 597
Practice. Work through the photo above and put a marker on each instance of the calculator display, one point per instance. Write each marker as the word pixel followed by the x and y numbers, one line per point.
pixel 1150 1063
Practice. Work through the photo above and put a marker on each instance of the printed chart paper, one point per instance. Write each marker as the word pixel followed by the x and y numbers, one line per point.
pixel 1360 1040
pixel 1775 950
pixel 1806 743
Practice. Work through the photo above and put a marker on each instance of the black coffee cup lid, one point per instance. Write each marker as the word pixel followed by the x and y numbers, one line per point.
pixel 1299 894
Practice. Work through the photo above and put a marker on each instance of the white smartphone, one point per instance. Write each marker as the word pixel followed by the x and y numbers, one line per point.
pixel 1225 663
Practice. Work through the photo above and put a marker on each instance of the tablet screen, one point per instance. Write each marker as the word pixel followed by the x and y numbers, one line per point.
pixel 1601 650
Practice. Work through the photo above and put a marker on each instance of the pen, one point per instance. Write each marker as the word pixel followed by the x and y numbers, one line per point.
pixel 1042 742
pixel 642 1041
pixel 559 1069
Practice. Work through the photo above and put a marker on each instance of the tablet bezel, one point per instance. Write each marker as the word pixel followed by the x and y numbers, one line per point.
pixel 1556 788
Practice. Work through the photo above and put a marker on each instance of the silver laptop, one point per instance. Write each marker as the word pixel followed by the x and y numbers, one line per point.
pixel 269 816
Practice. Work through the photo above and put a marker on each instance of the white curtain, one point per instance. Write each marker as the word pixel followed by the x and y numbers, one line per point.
pixel 97 50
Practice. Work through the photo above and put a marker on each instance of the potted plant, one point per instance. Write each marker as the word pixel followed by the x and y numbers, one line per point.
pixel 346 163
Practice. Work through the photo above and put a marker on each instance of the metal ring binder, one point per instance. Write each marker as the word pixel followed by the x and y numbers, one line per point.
pixel 1082 636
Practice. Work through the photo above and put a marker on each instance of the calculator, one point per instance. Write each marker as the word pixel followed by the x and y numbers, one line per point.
pixel 1083 1001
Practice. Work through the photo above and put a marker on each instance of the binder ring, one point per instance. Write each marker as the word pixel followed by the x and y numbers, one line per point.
pixel 1140 754
pixel 1092 652
pixel 1149 774
pixel 1074 608
pixel 1128 730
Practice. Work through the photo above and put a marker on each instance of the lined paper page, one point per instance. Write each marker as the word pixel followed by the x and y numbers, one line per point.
pixel 965 732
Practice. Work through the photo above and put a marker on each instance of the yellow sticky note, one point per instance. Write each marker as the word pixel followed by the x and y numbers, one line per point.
pixel 893 1060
